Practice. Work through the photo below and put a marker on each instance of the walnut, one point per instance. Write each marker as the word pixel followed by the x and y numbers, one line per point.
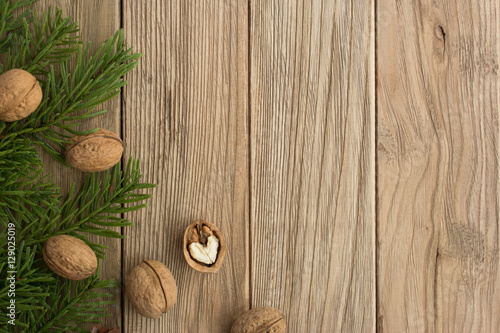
pixel 151 289
pixel 264 319
pixel 20 94
pixel 69 257
pixel 204 247
pixel 94 152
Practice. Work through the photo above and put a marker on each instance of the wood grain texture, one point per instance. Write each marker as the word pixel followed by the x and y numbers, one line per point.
pixel 98 20
pixel 273 139
pixel 186 116
pixel 313 163
pixel 438 159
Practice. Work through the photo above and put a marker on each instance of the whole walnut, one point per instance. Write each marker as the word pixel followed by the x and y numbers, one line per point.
pixel 69 257
pixel 258 320
pixel 20 95
pixel 95 152
pixel 151 289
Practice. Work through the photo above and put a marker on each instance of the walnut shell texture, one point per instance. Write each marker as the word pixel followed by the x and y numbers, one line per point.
pixel 20 94
pixel 151 289
pixel 260 320
pixel 200 267
pixel 69 257
pixel 95 152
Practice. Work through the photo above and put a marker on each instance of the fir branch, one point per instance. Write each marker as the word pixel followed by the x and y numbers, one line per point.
pixel 49 303
pixel 43 45
pixel 21 179
pixel 31 284
pixel 98 205
pixel 71 98
pixel 95 207
pixel 10 24
pixel 50 38
pixel 78 303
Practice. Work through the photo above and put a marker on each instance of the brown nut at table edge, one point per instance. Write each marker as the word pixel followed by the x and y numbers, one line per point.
pixel 20 94
pixel 69 257
pixel 259 320
pixel 151 289
pixel 188 238
pixel 95 152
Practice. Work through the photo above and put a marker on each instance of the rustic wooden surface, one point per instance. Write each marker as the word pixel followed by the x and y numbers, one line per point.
pixel 438 154
pixel 350 201
pixel 438 157
pixel 313 163
pixel 185 115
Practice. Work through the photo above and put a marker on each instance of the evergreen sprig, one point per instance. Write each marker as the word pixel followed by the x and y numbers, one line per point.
pixel 46 45
pixel 95 208
pixel 46 38
pixel 69 97
pixel 10 23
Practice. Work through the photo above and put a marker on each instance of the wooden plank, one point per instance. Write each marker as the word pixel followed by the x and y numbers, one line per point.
pixel 313 163
pixel 98 19
pixel 438 162
pixel 186 116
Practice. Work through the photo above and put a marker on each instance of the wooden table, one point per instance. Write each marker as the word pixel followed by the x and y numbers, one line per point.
pixel 348 150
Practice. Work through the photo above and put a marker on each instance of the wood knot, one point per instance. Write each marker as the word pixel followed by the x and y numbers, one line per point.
pixel 440 33
pixel 440 43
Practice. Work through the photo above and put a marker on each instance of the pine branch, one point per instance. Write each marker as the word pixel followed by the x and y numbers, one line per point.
pixel 83 306
pixel 71 98
pixel 43 45
pixel 21 182
pixel 49 303
pixel 62 305
pixel 30 283
pixel 50 38
pixel 95 207
pixel 10 24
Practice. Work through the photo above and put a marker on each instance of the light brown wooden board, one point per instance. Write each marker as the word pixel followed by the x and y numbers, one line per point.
pixel 186 116
pixel 291 179
pixel 98 19
pixel 313 163
pixel 438 159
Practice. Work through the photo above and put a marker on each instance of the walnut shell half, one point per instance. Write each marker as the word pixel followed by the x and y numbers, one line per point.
pixel 94 152
pixel 193 230
pixel 151 289
pixel 20 94
pixel 69 257
pixel 260 320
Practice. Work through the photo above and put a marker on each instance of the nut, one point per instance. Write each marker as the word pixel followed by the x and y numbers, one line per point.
pixel 204 247
pixel 259 320
pixel 151 288
pixel 20 94
pixel 94 152
pixel 69 257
